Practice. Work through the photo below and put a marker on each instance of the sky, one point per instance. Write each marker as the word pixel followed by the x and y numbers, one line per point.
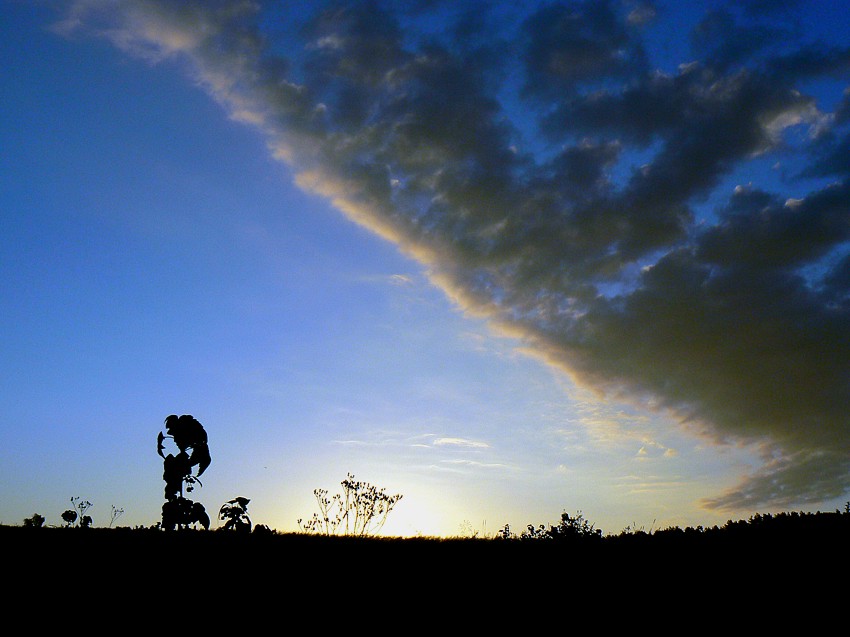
pixel 507 261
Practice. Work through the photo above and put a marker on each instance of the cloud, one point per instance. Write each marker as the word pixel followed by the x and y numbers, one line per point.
pixel 605 233
pixel 395 280
pixel 651 449
pixel 460 442
pixel 642 484
pixel 400 279
pixel 474 464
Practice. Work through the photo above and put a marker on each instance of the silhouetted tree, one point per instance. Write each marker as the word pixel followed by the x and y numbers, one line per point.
pixel 191 440
pixel 235 512
pixel 361 509
pixel 36 521
pixel 69 517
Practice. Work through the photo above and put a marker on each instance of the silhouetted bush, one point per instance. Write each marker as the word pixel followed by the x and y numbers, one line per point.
pixel 34 522
pixel 70 516
pixel 235 512
pixel 569 528
pixel 360 510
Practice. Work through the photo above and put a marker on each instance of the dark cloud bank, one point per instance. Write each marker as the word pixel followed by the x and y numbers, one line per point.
pixel 668 230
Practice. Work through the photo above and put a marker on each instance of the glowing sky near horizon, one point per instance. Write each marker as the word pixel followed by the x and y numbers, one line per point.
pixel 505 260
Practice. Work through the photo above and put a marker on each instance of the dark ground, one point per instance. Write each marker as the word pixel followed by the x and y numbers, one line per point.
pixel 225 578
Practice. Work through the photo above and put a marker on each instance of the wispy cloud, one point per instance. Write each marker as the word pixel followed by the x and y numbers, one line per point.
pixel 460 442
pixel 651 449
pixel 400 280
pixel 649 484
pixel 472 464
pixel 592 241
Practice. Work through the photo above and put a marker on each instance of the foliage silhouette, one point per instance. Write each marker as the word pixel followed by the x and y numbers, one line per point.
pixel 235 512
pixel 535 533
pixel 574 527
pixel 360 510
pixel 263 529
pixel 70 515
pixel 182 513
pixel 568 528
pixel 36 521
pixel 466 530
pixel 505 533
pixel 189 436
pixel 116 513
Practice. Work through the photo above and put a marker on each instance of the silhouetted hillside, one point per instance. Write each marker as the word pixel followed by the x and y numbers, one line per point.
pixel 764 544
pixel 202 581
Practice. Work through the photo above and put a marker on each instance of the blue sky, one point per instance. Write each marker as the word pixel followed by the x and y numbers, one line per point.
pixel 587 258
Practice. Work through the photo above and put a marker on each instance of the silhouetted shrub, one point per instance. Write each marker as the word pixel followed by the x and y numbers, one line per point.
pixel 69 517
pixel 505 533
pixel 568 528
pixel 34 522
pixel 535 533
pixel 181 512
pixel 235 512
pixel 360 510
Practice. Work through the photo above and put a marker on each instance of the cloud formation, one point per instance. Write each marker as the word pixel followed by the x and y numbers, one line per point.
pixel 460 442
pixel 673 233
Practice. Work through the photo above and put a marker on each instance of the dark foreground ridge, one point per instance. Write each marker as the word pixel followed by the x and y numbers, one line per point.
pixel 200 581
pixel 785 550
